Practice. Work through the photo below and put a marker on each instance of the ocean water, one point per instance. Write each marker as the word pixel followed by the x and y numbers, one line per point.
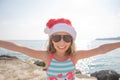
pixel 110 60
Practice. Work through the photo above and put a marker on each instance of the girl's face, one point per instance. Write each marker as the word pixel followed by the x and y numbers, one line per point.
pixel 61 41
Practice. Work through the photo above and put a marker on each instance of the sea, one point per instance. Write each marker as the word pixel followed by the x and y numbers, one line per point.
pixel 108 61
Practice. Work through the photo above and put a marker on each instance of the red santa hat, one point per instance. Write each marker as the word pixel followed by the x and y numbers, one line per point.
pixel 60 25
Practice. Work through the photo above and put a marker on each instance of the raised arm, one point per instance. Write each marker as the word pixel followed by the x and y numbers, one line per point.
pixel 22 49
pixel 96 51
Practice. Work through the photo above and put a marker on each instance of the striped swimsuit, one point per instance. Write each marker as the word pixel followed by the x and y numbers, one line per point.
pixel 60 70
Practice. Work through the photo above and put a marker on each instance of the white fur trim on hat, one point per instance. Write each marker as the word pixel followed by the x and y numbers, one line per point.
pixel 61 27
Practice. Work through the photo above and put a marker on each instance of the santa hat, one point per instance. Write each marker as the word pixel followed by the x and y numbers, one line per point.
pixel 60 25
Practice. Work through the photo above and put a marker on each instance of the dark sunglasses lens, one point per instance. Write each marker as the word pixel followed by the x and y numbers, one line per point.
pixel 67 38
pixel 56 38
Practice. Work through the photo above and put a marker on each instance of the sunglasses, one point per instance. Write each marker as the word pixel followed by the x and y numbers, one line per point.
pixel 57 38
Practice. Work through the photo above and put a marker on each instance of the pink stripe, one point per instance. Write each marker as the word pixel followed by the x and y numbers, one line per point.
pixel 51 56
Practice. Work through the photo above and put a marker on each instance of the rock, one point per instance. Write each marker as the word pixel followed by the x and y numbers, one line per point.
pixel 90 78
pixel 77 71
pixel 39 63
pixel 80 76
pixel 15 69
pixel 84 77
pixel 106 75
pixel 7 57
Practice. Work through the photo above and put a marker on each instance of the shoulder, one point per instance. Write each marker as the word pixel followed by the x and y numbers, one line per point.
pixel 79 55
pixel 43 55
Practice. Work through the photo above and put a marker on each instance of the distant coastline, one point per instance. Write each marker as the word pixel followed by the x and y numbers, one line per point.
pixel 113 38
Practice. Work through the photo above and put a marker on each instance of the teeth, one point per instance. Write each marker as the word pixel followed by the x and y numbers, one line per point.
pixel 61 46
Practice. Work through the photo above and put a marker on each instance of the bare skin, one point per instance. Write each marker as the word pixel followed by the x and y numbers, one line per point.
pixel 61 47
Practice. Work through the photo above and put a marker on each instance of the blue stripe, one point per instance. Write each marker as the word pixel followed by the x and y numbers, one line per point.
pixel 61 71
pixel 61 66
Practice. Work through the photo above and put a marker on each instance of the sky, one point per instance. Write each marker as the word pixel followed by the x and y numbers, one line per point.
pixel 26 19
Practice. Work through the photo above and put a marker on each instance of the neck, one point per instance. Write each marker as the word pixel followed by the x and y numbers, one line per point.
pixel 60 56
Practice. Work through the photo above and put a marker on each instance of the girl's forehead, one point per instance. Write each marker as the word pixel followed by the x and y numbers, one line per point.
pixel 61 33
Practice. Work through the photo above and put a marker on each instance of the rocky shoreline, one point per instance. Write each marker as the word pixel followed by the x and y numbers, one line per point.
pixel 12 68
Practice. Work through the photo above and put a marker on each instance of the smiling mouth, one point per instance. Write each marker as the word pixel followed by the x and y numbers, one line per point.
pixel 61 47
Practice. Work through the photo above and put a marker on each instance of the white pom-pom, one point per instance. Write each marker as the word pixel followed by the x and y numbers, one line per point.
pixel 47 30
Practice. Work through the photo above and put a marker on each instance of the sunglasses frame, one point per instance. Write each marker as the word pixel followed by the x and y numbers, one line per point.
pixel 66 38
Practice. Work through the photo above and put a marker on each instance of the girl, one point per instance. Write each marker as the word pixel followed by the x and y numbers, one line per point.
pixel 60 57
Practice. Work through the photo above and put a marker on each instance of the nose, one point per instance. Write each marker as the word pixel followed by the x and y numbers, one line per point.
pixel 62 41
